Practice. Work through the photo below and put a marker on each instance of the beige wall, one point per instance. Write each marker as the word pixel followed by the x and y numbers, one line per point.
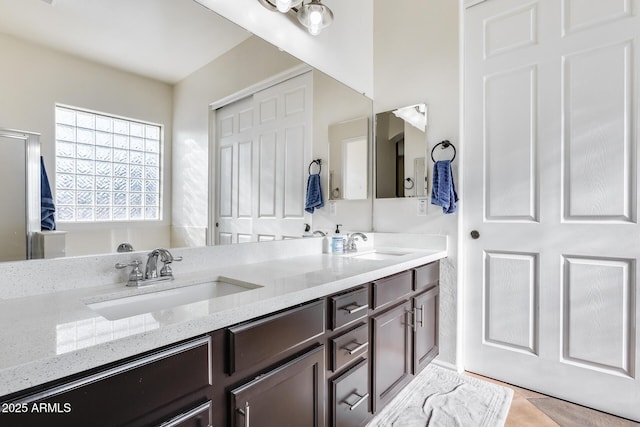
pixel 33 79
pixel 416 60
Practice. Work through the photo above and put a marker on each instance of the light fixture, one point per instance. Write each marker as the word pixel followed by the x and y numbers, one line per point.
pixel 415 115
pixel 285 6
pixel 313 14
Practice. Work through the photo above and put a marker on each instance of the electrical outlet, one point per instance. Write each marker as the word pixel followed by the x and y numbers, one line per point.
pixel 333 210
pixel 422 207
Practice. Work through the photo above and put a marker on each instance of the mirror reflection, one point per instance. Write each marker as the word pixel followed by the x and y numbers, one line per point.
pixel 401 146
pixel 348 159
pixel 121 77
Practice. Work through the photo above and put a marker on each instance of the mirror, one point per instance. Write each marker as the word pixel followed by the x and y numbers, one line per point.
pixel 349 159
pixel 38 76
pixel 401 148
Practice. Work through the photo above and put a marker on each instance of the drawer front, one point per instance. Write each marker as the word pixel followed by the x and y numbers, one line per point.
pixel 392 288
pixel 348 308
pixel 350 392
pixel 427 276
pixel 349 346
pixel 267 338
pixel 154 387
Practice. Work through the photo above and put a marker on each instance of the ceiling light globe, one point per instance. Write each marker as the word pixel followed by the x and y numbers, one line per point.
pixel 315 17
pixel 283 6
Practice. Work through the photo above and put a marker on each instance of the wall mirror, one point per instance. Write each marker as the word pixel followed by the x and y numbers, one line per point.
pixel 401 148
pixel 30 91
pixel 349 159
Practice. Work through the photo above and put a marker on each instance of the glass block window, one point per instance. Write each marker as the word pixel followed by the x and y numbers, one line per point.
pixel 107 168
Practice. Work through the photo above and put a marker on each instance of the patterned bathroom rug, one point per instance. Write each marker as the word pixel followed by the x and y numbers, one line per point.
pixel 438 397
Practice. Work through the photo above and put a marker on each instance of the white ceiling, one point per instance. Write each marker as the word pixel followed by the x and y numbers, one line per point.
pixel 162 39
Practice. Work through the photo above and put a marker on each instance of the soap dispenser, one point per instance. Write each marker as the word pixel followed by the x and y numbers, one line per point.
pixel 337 241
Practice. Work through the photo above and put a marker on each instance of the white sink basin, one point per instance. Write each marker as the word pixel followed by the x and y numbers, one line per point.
pixel 120 308
pixel 379 255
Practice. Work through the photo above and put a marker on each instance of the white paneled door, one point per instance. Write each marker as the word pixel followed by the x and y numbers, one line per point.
pixel 551 207
pixel 263 150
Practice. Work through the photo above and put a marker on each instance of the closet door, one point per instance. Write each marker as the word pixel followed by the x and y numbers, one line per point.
pixel 263 149
pixel 550 198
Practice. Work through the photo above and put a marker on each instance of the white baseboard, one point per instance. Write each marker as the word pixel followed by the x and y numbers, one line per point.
pixel 446 365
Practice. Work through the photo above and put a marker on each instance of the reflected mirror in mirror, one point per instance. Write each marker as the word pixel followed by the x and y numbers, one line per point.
pixel 166 69
pixel 401 146
pixel 348 159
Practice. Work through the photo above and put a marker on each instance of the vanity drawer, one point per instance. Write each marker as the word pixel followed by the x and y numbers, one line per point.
pixel 349 307
pixel 392 288
pixel 350 397
pixel 427 276
pixel 142 391
pixel 349 346
pixel 263 339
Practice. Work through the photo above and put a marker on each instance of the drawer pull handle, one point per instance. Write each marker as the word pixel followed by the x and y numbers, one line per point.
pixel 361 398
pixel 354 308
pixel 245 413
pixel 357 348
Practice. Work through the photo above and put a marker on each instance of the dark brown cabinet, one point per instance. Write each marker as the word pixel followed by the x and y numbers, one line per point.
pixel 404 338
pixel 392 352
pixel 425 334
pixel 290 395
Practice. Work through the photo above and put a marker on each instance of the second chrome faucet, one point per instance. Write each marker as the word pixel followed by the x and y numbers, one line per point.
pixel 151 272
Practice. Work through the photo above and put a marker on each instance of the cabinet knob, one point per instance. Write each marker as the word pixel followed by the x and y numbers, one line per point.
pixel 475 234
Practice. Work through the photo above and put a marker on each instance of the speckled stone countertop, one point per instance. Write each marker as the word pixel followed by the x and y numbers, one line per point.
pixel 48 335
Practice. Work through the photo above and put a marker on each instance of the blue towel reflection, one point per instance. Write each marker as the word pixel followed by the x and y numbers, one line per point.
pixel 443 191
pixel 47 208
pixel 314 194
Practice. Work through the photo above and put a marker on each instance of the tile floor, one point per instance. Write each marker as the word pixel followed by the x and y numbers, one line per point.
pixel 531 409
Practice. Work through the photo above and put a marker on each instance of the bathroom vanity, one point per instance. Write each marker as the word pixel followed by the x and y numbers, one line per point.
pixel 332 350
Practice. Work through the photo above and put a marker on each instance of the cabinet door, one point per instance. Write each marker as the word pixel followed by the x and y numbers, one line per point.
pixel 291 395
pixel 425 335
pixel 350 397
pixel 392 353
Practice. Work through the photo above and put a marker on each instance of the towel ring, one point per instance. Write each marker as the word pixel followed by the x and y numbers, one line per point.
pixel 317 162
pixel 445 144
pixel 408 184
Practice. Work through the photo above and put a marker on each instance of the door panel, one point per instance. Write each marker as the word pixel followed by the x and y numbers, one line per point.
pixel 597 113
pixel 550 183
pixel 264 146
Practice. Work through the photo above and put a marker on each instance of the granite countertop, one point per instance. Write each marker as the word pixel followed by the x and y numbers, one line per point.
pixel 50 336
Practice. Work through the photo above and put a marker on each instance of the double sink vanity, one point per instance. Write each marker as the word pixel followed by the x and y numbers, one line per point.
pixel 246 335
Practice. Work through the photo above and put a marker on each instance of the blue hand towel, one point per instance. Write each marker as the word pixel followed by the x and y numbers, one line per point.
pixel 314 194
pixel 443 191
pixel 47 208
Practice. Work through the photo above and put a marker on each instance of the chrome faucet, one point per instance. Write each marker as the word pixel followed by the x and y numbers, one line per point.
pixel 151 273
pixel 151 270
pixel 351 241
